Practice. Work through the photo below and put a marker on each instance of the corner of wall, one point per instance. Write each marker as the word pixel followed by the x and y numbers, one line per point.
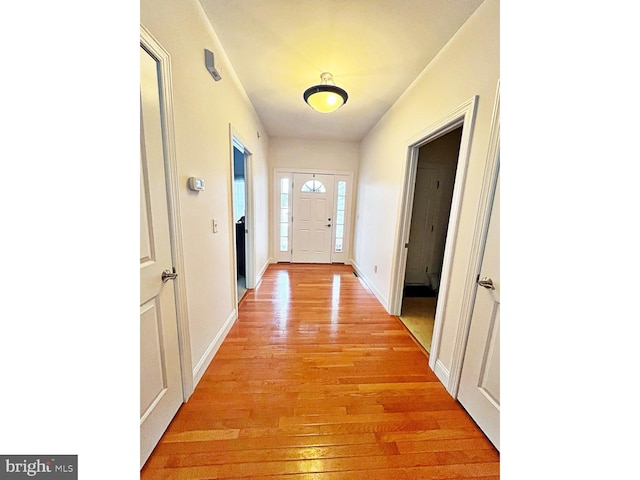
pixel 369 284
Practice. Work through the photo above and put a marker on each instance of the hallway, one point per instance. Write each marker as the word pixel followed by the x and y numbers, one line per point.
pixel 316 380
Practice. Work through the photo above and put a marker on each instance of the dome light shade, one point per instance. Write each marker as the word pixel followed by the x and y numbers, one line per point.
pixel 325 97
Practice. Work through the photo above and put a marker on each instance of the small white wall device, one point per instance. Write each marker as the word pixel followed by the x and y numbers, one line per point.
pixel 208 61
pixel 196 184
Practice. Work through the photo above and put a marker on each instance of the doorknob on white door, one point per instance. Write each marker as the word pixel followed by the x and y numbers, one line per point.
pixel 486 282
pixel 168 275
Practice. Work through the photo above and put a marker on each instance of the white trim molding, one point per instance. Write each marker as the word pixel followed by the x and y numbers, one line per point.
pixel 212 349
pixel 441 372
pixel 348 227
pixel 477 247
pixel 464 116
pixel 369 285
pixel 151 45
pixel 262 270
pixel 236 141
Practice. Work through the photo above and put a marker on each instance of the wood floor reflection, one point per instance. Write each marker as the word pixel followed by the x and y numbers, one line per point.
pixel 316 381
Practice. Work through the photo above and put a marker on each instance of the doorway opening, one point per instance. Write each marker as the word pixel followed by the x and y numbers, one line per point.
pixel 241 188
pixel 430 212
pixel 461 117
pixel 314 216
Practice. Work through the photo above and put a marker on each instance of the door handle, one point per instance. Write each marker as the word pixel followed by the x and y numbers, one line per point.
pixel 328 225
pixel 168 275
pixel 486 282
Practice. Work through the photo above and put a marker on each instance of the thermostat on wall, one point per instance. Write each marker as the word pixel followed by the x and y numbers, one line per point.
pixel 196 184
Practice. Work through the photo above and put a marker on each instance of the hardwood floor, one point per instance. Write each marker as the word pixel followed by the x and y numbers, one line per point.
pixel 316 381
pixel 419 315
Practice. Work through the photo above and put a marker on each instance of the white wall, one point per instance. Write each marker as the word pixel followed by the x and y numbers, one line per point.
pixel 467 66
pixel 261 208
pixel 203 113
pixel 312 154
pixel 292 154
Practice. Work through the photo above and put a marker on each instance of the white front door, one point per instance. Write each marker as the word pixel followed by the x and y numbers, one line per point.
pixel 160 376
pixel 479 391
pixel 312 218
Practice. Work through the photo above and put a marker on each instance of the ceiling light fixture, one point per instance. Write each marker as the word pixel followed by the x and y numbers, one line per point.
pixel 325 97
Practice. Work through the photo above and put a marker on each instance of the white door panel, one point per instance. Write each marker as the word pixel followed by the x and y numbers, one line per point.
pixel 303 211
pixel 153 382
pixel 479 391
pixel 490 376
pixel 320 211
pixel 160 376
pixel 312 218
pixel 318 245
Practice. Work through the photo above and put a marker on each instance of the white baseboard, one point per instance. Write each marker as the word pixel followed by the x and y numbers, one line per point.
pixel 263 269
pixel 442 373
pixel 369 284
pixel 203 363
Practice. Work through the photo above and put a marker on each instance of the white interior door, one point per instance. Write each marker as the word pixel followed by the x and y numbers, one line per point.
pixel 479 391
pixel 312 218
pixel 423 224
pixel 160 376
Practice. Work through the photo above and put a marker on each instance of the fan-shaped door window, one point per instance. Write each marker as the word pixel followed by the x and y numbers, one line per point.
pixel 313 186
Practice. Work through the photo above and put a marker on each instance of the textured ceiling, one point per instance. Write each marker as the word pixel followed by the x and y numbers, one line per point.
pixel 374 48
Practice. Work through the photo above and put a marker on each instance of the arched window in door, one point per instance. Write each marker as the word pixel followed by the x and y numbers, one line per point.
pixel 313 186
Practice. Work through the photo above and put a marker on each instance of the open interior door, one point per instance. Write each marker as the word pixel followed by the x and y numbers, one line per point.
pixel 160 375
pixel 479 391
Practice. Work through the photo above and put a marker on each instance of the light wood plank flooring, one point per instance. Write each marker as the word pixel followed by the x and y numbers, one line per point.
pixel 418 315
pixel 316 381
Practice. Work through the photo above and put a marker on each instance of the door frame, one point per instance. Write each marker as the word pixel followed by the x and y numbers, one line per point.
pixel 155 49
pixel 235 140
pixel 479 237
pixel 329 195
pixel 345 255
pixel 463 116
